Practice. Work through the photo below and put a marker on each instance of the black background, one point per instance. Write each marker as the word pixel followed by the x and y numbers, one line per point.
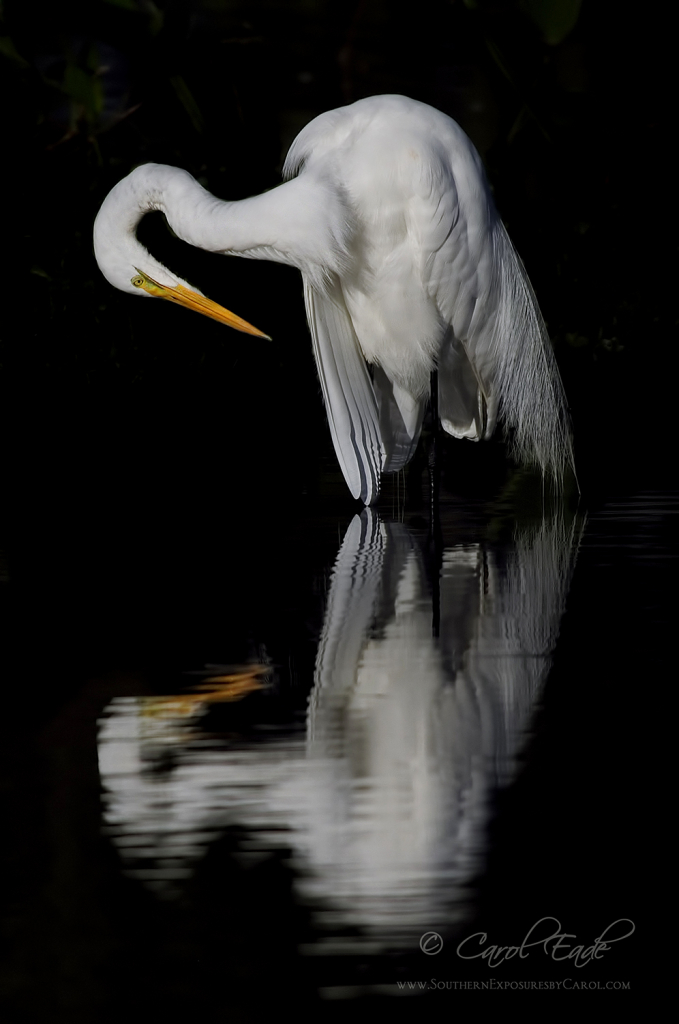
pixel 161 474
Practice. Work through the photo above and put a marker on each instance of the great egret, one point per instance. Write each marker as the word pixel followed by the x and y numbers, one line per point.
pixel 407 268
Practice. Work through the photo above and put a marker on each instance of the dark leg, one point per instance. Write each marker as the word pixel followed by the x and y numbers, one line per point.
pixel 435 525
pixel 434 455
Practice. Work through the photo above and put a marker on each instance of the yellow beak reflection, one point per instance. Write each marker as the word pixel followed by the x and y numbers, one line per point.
pixel 191 300
pixel 218 689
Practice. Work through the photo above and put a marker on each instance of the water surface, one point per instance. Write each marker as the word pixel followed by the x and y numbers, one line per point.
pixel 420 732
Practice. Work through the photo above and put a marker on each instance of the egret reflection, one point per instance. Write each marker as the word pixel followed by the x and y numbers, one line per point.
pixel 385 801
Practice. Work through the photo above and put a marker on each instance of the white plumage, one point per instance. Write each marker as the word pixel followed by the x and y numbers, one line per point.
pixel 407 267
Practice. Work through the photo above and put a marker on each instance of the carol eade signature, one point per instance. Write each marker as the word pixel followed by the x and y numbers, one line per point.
pixel 556 944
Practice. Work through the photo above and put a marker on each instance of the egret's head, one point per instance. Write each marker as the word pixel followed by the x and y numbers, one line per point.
pixel 128 266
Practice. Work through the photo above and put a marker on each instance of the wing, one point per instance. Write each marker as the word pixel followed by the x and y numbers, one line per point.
pixel 350 401
pixel 452 218
pixel 400 421
pixel 497 335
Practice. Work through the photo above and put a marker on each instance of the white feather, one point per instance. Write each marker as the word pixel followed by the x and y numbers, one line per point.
pixel 407 267
pixel 349 397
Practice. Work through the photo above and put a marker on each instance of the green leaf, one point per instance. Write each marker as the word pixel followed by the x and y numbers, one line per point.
pixel 83 89
pixel 185 97
pixel 8 49
pixel 554 18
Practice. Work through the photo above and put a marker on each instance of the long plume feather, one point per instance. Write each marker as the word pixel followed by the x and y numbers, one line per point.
pixel 531 397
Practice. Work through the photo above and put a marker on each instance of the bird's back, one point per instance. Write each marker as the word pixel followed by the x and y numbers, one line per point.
pixel 421 219
pixel 431 278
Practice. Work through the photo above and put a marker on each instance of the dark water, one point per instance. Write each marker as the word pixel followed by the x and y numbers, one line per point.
pixel 256 752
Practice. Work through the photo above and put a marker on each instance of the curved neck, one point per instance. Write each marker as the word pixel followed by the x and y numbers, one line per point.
pixel 303 223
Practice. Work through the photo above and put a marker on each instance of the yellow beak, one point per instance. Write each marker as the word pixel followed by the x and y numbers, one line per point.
pixel 191 300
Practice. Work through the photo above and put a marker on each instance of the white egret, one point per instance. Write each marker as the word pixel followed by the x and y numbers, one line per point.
pixel 407 268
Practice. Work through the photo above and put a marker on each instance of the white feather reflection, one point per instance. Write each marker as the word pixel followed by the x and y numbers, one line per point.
pixel 385 803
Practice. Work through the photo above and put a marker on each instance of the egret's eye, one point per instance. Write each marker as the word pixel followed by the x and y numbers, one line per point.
pixel 137 281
